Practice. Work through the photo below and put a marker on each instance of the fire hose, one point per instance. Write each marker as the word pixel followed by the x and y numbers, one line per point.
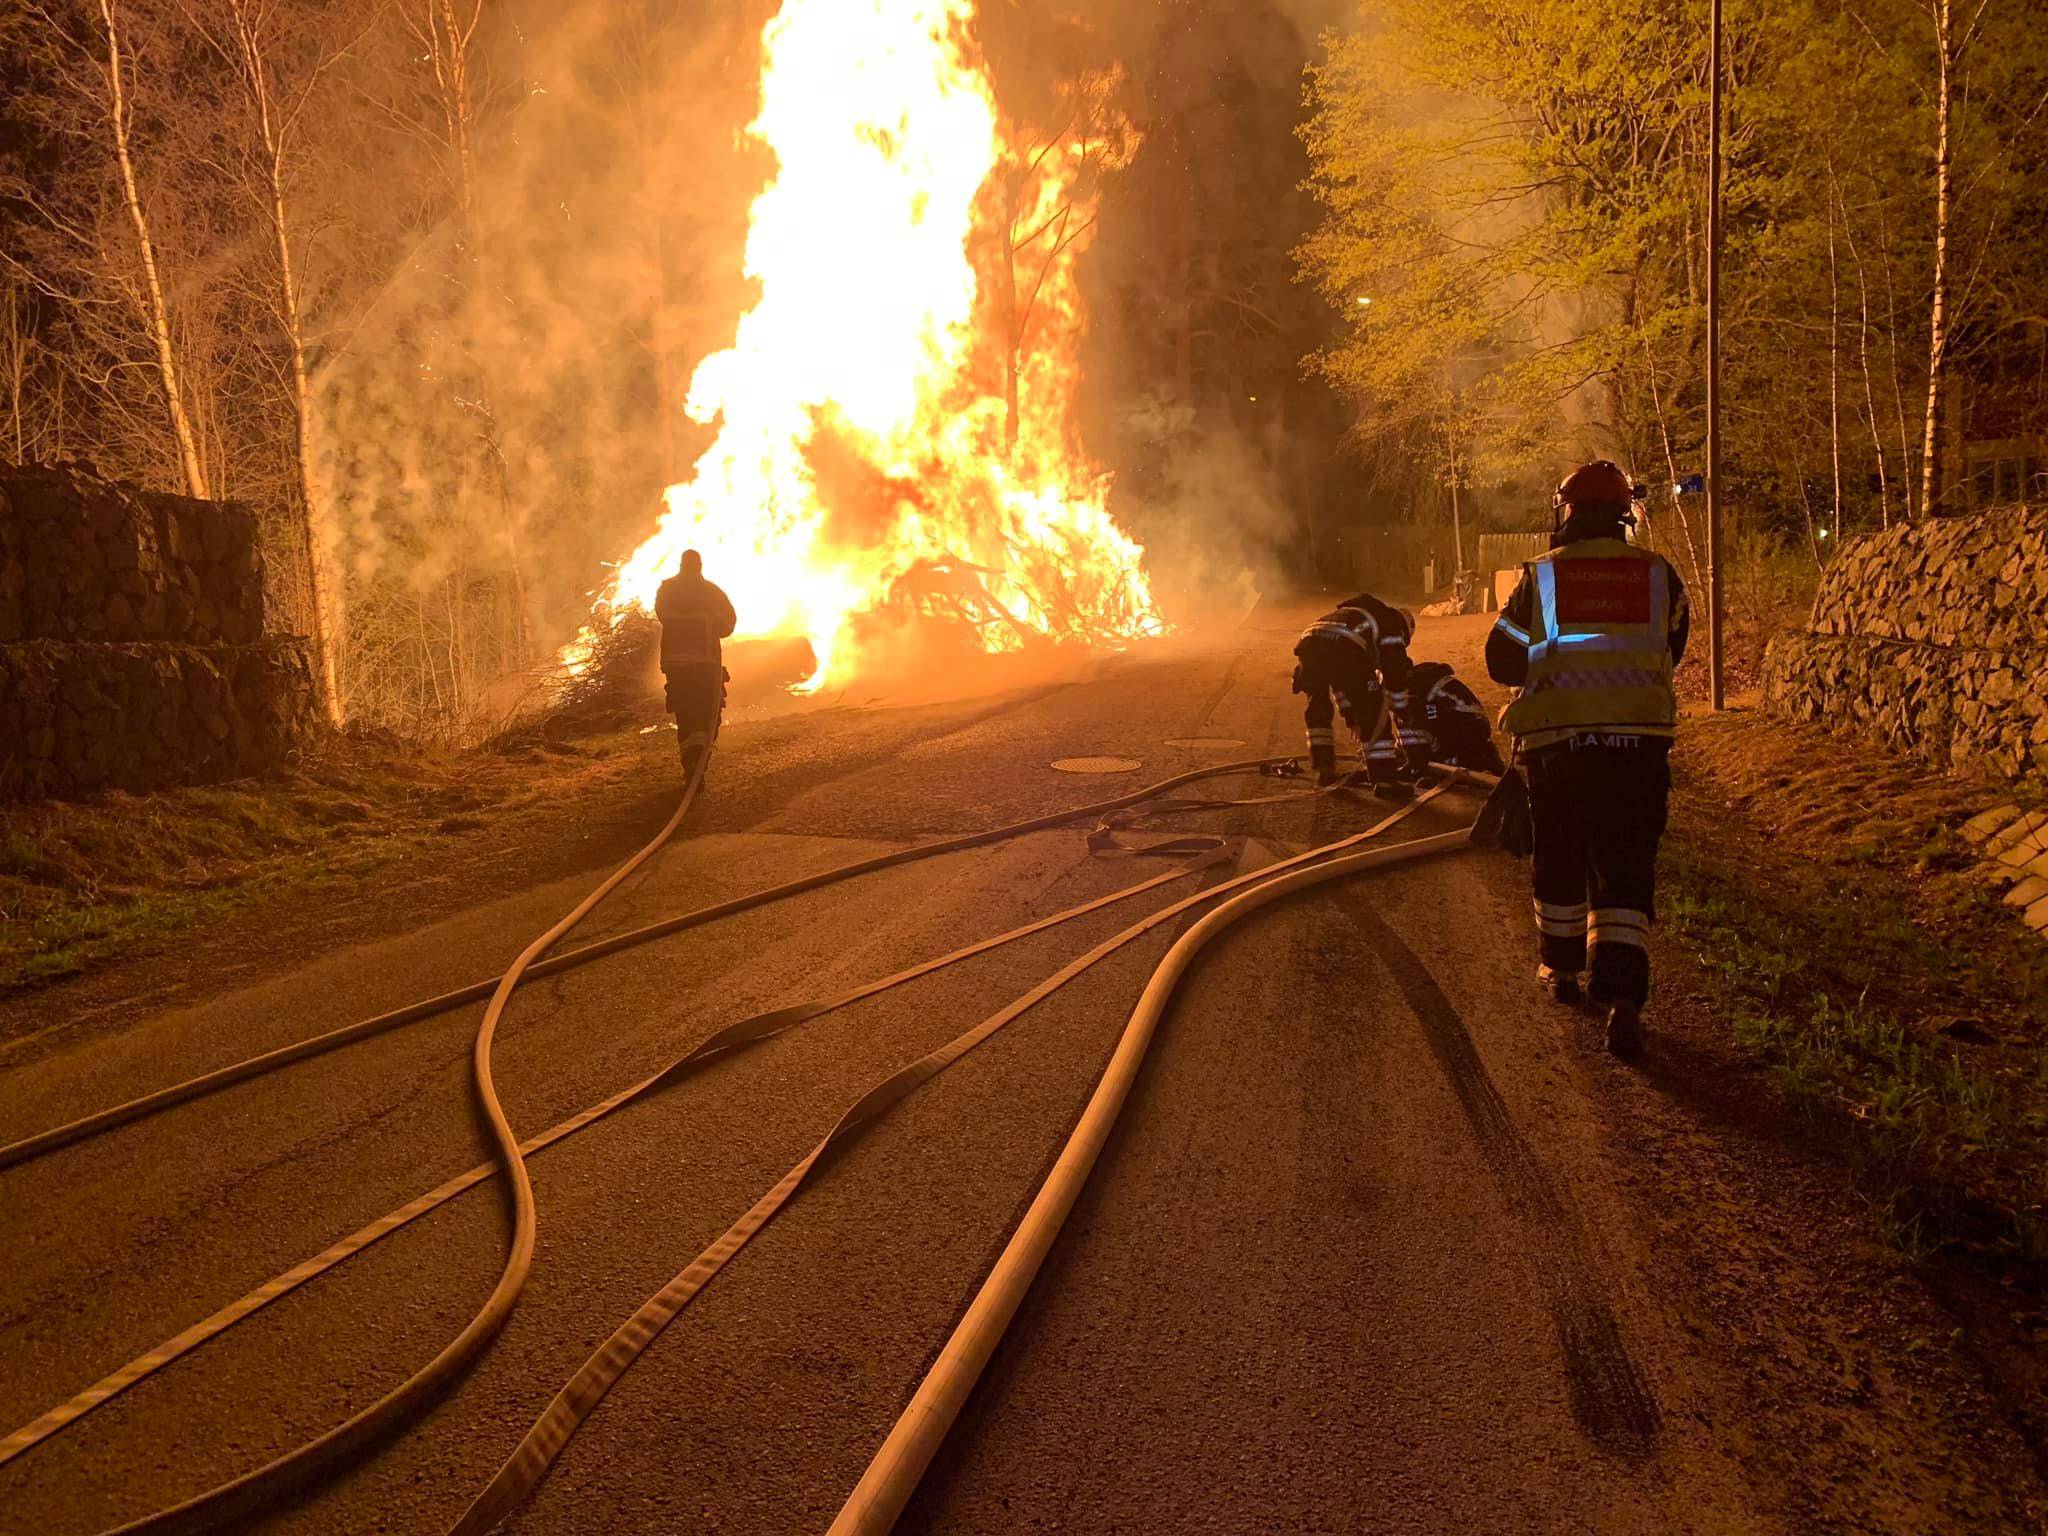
pixel 550 1433
pixel 254 1489
pixel 894 1473
pixel 259 1487
pixel 30 1147
pixel 731 1038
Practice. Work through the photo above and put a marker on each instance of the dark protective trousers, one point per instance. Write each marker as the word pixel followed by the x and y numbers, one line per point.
pixel 696 697
pixel 1339 676
pixel 1408 743
pixel 1598 803
pixel 1455 736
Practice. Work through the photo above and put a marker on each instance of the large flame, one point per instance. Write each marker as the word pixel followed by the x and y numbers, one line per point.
pixel 864 454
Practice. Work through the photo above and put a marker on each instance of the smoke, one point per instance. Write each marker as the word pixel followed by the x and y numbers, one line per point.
pixel 508 403
pixel 1228 458
pixel 508 406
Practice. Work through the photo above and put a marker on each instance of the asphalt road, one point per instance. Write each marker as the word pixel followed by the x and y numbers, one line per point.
pixel 1365 1255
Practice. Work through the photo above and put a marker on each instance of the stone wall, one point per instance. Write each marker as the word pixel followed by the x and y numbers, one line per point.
pixel 1934 638
pixel 132 644
pixel 84 559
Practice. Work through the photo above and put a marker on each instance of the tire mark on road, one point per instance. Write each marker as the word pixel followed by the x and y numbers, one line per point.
pixel 1610 1397
pixel 1216 698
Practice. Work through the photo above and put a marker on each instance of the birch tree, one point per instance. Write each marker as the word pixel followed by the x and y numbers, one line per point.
pixel 97 249
pixel 1951 48
pixel 449 32
pixel 249 37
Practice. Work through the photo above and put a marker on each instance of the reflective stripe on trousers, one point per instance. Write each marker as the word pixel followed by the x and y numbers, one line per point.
pixel 1561 920
pixel 1619 925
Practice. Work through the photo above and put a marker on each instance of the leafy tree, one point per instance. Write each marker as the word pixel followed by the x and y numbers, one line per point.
pixel 1518 189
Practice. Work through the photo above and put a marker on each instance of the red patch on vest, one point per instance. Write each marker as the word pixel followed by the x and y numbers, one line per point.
pixel 1603 591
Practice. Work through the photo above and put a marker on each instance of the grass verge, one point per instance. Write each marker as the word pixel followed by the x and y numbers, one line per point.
pixel 120 874
pixel 1838 927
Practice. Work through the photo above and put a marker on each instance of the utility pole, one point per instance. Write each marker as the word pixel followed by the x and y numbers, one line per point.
pixel 1457 524
pixel 1717 694
pixel 1457 521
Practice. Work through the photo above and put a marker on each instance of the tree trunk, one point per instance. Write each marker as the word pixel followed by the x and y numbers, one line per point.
pixel 509 523
pixel 1884 484
pixel 1011 323
pixel 1931 465
pixel 1692 553
pixel 1835 369
pixel 322 592
pixel 1891 294
pixel 18 343
pixel 322 589
pixel 159 313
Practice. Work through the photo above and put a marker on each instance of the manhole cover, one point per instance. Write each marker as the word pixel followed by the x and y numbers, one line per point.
pixel 1204 743
pixel 1097 765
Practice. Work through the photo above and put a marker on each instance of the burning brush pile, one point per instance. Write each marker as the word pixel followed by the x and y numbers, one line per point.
pixel 894 453
pixel 621 675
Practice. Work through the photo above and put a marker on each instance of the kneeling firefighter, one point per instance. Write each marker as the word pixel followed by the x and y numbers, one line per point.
pixel 695 616
pixel 1357 656
pixel 1590 637
pixel 1447 721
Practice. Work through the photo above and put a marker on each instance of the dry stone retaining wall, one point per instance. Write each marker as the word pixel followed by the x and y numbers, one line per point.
pixel 84 559
pixel 1935 637
pixel 132 645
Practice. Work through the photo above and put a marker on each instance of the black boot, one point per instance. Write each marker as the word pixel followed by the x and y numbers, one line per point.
pixel 1625 1030
pixel 694 749
pixel 1563 986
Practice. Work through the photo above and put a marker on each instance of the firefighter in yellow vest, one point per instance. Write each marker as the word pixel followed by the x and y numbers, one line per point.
pixel 1590 637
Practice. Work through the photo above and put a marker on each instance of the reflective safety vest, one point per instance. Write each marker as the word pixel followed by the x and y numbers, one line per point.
pixel 1600 645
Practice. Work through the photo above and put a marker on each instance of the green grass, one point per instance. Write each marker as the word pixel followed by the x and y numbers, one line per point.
pixel 85 882
pixel 52 936
pixel 68 940
pixel 1825 995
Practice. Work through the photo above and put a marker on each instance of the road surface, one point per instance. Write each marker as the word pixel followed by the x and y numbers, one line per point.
pixel 1376 1247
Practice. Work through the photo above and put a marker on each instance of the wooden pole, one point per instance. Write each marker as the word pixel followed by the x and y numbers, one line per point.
pixel 1717 696
pixel 1457 523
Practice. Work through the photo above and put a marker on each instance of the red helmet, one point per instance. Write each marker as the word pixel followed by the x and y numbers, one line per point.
pixel 1601 483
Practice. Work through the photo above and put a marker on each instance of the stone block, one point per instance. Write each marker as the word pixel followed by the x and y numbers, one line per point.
pixel 2026 892
pixel 92 716
pixel 76 541
pixel 2022 829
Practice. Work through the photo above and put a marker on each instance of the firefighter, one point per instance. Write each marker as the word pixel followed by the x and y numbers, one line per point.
pixel 695 616
pixel 1396 629
pixel 1447 720
pixel 1354 657
pixel 1590 638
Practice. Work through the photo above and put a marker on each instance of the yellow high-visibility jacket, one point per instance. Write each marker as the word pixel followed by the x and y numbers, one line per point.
pixel 1601 623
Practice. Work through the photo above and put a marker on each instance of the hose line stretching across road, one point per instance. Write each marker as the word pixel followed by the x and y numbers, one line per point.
pixel 85 1127
pixel 256 1490
pixel 544 1442
pixel 261 1487
pixel 721 1042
